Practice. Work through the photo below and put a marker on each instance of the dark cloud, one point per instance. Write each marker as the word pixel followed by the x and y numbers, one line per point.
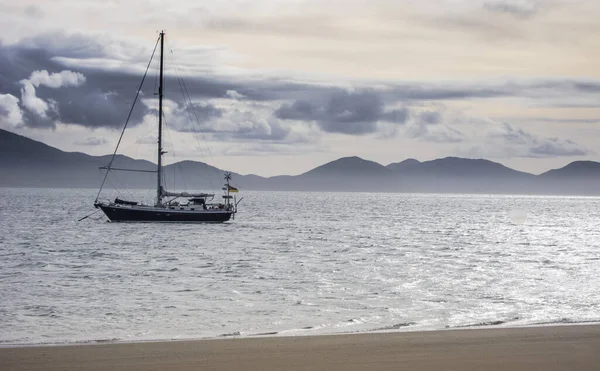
pixel 238 122
pixel 586 86
pixel 430 117
pixel 347 112
pixel 193 117
pixel 525 144
pixel 396 116
pixel 362 106
pixel 34 120
pixel 428 92
pixel 100 102
pixel 513 135
pixel 106 96
pixel 429 126
pixel 300 110
pixel 204 112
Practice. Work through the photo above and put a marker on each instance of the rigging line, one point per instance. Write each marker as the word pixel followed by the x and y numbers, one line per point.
pixel 191 119
pixel 128 117
pixel 119 194
pixel 136 145
pixel 125 192
pixel 87 216
pixel 115 188
pixel 174 156
pixel 185 104
pixel 186 95
pixel 185 91
pixel 122 183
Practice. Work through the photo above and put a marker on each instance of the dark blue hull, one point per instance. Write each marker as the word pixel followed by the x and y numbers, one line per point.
pixel 160 215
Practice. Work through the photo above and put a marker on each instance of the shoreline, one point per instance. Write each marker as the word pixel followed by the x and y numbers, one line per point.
pixel 296 333
pixel 567 346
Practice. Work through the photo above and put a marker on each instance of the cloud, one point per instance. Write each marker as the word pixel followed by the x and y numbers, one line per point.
pixel 234 95
pixel 192 116
pixel 395 116
pixel 45 112
pixel 529 145
pixel 299 110
pixel 92 141
pixel 347 112
pixel 248 123
pixel 237 121
pixel 430 117
pixel 86 97
pixel 31 102
pixel 429 126
pixel 516 8
pixel 503 140
pixel 75 79
pixel 107 95
pixel 10 112
pixel 56 80
pixel 553 147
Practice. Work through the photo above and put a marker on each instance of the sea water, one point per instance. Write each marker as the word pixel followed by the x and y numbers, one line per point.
pixel 295 263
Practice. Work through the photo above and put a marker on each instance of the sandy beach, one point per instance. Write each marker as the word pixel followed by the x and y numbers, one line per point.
pixel 534 348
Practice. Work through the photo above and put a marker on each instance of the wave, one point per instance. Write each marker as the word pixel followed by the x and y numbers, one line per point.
pixel 526 324
pixel 235 333
pixel 29 342
pixel 397 326
pixel 568 321
pixel 486 323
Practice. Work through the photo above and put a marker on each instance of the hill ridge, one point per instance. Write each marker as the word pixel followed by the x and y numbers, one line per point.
pixel 25 162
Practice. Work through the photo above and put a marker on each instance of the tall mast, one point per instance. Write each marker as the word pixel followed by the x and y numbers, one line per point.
pixel 160 117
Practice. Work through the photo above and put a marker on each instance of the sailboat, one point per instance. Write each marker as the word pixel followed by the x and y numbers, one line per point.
pixel 168 207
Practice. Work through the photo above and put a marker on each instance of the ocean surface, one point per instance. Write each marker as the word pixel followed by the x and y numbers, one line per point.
pixel 295 263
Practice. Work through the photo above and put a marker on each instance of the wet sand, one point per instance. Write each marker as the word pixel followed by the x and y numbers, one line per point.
pixel 532 348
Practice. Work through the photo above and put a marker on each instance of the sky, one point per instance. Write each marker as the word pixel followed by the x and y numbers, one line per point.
pixel 279 87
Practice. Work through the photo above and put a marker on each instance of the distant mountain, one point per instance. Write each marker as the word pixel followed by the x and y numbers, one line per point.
pixel 404 165
pixel 578 177
pixel 348 165
pixel 457 167
pixel 348 174
pixel 454 174
pixel 28 163
pixel 575 170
